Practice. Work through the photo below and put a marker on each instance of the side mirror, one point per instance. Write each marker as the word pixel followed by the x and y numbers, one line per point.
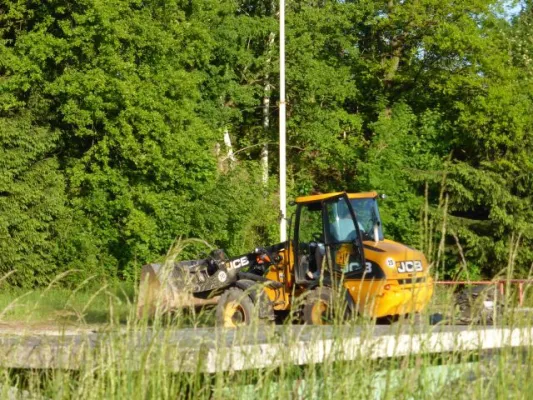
pixel 289 222
pixel 382 196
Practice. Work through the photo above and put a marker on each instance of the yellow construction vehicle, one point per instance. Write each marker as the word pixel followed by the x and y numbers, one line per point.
pixel 336 251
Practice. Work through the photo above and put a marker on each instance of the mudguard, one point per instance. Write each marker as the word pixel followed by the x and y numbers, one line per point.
pixel 351 310
pixel 259 297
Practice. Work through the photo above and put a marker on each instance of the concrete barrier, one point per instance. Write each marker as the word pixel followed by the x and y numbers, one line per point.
pixel 211 350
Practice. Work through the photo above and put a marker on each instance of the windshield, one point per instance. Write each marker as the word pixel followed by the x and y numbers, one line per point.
pixel 367 214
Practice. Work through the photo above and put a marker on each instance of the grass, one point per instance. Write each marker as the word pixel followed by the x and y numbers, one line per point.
pixel 108 370
pixel 66 307
pixel 108 375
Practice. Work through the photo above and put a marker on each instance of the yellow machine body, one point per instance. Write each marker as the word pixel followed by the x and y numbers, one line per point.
pixel 336 244
pixel 398 293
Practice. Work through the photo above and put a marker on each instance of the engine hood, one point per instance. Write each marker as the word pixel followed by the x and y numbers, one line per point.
pixel 397 260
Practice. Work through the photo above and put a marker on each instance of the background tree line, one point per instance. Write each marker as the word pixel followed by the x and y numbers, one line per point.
pixel 113 115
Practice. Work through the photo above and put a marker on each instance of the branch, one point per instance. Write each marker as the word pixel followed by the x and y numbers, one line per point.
pixel 262 144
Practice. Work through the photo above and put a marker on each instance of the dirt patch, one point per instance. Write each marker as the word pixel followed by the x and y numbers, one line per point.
pixel 21 328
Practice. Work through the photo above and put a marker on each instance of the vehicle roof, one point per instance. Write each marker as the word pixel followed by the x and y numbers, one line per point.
pixel 363 195
pixel 317 197
pixel 325 196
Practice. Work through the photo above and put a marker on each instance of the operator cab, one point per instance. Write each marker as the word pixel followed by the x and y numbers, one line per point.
pixel 328 238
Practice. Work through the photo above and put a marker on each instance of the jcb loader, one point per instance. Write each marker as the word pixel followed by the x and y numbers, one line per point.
pixel 336 251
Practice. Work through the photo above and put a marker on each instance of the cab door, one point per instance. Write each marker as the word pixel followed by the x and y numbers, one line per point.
pixel 343 241
pixel 308 240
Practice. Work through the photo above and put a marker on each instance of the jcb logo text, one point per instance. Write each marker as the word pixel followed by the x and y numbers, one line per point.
pixel 239 263
pixel 409 266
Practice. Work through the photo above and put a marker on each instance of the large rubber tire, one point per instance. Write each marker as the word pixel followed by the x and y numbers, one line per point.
pixel 471 304
pixel 318 307
pixel 235 308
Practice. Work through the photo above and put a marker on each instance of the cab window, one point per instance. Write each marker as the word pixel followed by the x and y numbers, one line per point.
pixel 310 223
pixel 340 228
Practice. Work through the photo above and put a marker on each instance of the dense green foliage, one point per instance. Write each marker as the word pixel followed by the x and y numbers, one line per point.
pixel 113 113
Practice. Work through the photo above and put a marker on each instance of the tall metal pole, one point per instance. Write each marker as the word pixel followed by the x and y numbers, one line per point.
pixel 282 127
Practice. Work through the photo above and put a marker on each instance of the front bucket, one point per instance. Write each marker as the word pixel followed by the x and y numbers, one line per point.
pixel 158 292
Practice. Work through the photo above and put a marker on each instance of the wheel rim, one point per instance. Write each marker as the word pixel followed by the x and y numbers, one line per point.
pixel 234 315
pixel 319 313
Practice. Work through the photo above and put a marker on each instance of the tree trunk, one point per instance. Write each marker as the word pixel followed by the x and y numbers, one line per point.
pixel 227 142
pixel 266 109
pixel 391 60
